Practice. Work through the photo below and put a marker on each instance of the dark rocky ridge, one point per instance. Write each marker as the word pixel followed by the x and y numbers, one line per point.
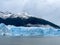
pixel 24 22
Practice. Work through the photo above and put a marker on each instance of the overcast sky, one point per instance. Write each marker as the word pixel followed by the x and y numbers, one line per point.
pixel 47 9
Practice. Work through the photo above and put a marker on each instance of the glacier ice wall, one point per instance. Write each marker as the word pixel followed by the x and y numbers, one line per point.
pixel 27 31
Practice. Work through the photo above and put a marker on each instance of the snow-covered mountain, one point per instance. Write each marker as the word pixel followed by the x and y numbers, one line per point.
pixel 7 14
pixel 24 19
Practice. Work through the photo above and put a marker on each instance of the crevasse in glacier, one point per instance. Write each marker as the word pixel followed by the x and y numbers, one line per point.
pixel 10 30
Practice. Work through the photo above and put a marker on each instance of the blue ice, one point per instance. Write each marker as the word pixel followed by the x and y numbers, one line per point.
pixel 28 31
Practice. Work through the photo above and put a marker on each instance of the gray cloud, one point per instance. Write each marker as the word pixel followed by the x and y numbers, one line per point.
pixel 47 9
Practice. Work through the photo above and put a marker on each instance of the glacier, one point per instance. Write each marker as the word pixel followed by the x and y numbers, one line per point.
pixel 10 30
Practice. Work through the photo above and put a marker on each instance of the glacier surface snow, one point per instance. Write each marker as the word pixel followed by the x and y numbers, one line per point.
pixel 27 31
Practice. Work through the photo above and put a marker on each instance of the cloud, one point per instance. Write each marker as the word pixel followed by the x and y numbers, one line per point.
pixel 47 9
pixel 13 5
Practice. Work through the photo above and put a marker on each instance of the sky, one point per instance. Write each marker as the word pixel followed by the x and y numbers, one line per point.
pixel 46 9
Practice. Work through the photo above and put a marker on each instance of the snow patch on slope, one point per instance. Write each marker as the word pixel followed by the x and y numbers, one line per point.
pixel 10 15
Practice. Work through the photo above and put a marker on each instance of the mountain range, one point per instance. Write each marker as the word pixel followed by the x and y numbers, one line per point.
pixel 24 19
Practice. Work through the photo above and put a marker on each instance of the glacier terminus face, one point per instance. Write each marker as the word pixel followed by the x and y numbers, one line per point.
pixel 10 30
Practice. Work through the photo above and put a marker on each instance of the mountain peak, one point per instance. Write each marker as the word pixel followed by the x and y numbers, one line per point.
pixel 6 15
pixel 23 15
pixel 24 19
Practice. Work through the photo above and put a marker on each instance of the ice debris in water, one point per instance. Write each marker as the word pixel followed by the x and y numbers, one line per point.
pixel 27 31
